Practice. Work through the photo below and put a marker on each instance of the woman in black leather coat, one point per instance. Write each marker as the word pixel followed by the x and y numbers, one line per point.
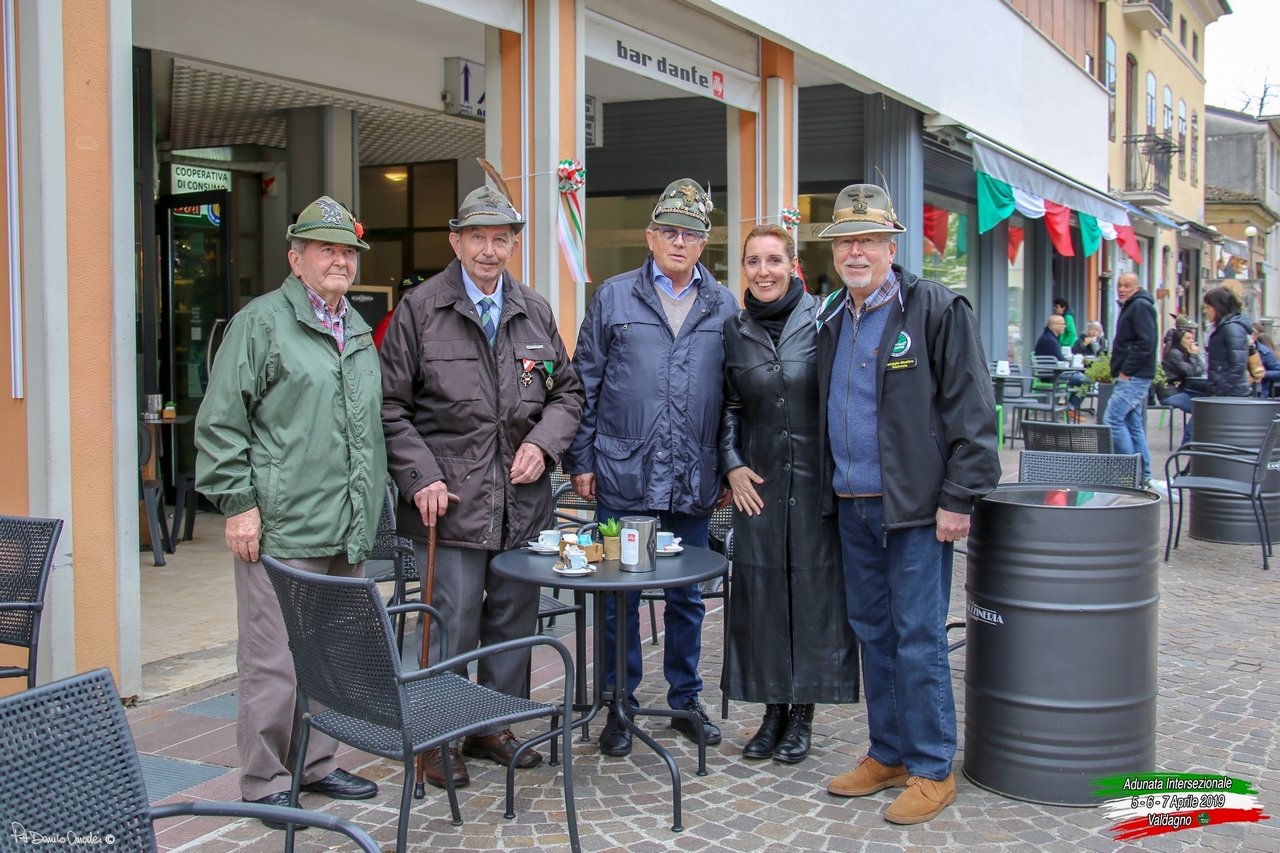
pixel 790 644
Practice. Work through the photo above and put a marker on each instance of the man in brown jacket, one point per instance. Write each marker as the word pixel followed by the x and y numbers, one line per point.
pixel 479 399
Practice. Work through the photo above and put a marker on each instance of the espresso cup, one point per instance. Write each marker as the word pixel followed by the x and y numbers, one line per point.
pixel 665 540
pixel 549 538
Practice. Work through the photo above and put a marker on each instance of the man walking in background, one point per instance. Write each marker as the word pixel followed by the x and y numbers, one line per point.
pixel 1133 366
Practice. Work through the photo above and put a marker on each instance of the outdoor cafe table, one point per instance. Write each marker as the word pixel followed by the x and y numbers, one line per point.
pixel 693 565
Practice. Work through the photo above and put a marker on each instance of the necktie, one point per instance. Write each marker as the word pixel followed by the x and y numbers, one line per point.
pixel 486 307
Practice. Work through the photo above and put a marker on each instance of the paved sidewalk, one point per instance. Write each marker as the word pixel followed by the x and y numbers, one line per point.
pixel 1218 708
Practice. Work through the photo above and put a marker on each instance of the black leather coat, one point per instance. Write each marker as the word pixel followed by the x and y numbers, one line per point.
pixel 789 634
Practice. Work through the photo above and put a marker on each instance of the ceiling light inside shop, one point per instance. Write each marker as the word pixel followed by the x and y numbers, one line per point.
pixel 397 175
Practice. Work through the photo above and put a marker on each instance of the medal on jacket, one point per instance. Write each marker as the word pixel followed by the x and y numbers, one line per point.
pixel 526 378
pixel 549 367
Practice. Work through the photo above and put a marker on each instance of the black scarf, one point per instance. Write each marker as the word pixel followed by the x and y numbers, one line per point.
pixel 773 315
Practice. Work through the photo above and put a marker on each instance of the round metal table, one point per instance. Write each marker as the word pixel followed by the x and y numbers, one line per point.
pixel 693 565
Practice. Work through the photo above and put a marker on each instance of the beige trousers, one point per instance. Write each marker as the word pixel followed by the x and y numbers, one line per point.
pixel 268 725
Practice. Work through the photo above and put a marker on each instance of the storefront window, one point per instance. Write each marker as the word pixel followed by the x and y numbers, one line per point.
pixel 616 241
pixel 948 233
pixel 815 254
pixel 1017 255
pixel 406 210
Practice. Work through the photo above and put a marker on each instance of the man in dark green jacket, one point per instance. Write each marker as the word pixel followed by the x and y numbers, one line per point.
pixel 289 442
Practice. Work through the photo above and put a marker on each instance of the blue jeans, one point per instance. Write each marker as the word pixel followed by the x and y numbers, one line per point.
pixel 1075 380
pixel 682 619
pixel 1125 413
pixel 1182 400
pixel 898 587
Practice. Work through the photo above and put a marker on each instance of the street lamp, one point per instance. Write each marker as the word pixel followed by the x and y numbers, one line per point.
pixel 1251 231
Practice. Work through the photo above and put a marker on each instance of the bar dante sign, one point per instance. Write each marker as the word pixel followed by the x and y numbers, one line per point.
pixel 640 53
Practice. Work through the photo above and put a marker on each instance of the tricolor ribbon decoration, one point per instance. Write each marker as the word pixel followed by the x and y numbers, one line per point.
pixel 1146 804
pixel 572 225
pixel 790 218
pixel 997 201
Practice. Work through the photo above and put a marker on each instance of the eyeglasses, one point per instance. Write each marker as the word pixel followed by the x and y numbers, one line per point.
pixel 867 244
pixel 670 234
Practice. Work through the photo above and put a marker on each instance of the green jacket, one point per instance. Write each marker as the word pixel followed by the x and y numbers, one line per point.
pixel 290 426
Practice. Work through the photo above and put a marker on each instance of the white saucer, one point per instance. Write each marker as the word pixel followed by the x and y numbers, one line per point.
pixel 670 551
pixel 541 549
pixel 572 572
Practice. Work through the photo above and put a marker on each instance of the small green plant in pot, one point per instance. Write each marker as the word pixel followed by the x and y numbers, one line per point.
pixel 611 531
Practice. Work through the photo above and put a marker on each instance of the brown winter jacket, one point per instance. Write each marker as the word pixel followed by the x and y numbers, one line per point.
pixel 454 410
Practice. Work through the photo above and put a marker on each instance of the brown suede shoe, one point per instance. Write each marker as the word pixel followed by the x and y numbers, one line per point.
pixel 923 800
pixel 867 778
pixel 435 769
pixel 499 747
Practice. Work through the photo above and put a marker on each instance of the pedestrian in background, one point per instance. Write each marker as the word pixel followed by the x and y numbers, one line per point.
pixel 297 477
pixel 789 640
pixel 1133 365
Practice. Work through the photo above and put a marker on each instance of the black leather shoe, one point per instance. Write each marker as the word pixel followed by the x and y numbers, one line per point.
pixel 615 741
pixel 688 729
pixel 763 743
pixel 279 798
pixel 794 746
pixel 341 785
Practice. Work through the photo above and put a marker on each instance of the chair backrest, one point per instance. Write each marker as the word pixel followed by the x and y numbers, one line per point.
pixel 1067 438
pixel 1093 469
pixel 1266 455
pixel 385 540
pixel 567 509
pixel 27 546
pixel 344 651
pixel 68 766
pixel 1044 365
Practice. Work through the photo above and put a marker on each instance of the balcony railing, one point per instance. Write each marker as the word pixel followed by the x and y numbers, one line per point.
pixel 1148 164
pixel 1149 14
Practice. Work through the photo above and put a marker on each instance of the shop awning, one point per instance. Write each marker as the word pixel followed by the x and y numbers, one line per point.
pixel 1191 227
pixel 1150 216
pixel 1012 168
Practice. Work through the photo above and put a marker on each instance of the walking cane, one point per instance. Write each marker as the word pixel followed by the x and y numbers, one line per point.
pixel 428 589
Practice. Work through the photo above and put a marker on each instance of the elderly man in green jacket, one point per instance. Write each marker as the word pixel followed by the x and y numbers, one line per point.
pixel 290 449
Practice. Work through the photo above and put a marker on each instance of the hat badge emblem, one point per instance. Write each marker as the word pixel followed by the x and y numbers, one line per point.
pixel 330 212
pixel 860 201
pixel 689 194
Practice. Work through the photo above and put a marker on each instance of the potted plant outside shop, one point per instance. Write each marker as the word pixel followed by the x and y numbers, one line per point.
pixel 170 410
pixel 611 531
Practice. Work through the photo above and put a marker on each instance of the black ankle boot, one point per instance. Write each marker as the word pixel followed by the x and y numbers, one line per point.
pixel 765 740
pixel 794 746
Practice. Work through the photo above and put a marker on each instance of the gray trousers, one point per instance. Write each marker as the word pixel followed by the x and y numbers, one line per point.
pixel 268 725
pixel 480 609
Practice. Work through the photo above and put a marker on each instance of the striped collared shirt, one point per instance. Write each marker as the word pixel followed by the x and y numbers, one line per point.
pixel 882 294
pixel 333 322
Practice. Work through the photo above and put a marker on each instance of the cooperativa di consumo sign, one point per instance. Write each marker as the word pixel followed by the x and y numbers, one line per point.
pixel 625 47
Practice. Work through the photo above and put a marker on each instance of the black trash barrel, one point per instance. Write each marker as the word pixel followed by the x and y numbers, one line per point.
pixel 1060 674
pixel 1242 422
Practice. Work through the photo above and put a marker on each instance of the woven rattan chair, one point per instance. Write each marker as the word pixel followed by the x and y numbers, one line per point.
pixel 345 659
pixel 1093 469
pixel 1067 438
pixel 68 766
pixel 26 556
pixel 1258 461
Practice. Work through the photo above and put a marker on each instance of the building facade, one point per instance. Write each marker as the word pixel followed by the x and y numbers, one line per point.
pixel 1242 201
pixel 158 149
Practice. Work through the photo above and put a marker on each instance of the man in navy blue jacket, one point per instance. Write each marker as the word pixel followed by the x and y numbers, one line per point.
pixel 651 361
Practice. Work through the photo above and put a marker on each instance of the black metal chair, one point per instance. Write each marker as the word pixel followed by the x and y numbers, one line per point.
pixel 152 492
pixel 68 765
pixel 27 546
pixel 1260 463
pixel 345 659
pixel 569 511
pixel 396 555
pixel 1033 402
pixel 1093 469
pixel 1067 438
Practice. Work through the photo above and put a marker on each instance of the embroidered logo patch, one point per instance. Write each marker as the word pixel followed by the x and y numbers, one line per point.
pixel 901 345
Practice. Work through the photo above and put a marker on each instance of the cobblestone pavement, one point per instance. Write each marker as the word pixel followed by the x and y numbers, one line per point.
pixel 1218 703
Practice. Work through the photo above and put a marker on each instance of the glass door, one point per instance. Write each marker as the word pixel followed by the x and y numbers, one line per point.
pixel 197 296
